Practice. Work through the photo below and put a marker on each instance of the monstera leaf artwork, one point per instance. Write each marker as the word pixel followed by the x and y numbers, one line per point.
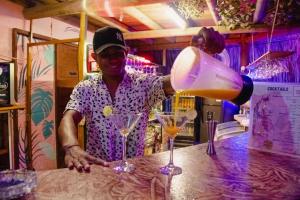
pixel 41 106
pixel 47 150
pixel 47 128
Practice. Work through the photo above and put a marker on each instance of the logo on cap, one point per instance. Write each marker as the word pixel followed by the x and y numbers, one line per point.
pixel 119 36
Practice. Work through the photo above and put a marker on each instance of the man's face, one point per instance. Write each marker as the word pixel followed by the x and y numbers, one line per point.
pixel 112 61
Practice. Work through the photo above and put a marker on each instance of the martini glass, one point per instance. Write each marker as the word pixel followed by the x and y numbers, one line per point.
pixel 172 123
pixel 124 122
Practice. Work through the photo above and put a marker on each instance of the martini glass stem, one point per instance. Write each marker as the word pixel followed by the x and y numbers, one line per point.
pixel 171 151
pixel 124 140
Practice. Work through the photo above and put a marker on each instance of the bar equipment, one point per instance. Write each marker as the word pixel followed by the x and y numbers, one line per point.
pixel 211 130
pixel 199 74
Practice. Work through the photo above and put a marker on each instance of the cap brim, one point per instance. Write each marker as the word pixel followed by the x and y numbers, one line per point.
pixel 100 49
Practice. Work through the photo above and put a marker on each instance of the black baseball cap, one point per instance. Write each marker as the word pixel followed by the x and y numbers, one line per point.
pixel 107 37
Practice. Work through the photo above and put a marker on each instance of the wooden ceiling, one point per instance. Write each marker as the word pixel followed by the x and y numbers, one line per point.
pixel 140 19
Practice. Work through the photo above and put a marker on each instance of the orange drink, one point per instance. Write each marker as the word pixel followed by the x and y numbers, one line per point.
pixel 215 93
pixel 172 131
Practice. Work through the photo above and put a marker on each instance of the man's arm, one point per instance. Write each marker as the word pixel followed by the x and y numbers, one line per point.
pixel 67 130
pixel 75 156
pixel 167 87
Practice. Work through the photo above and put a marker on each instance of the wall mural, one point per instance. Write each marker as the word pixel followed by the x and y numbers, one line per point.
pixel 42 104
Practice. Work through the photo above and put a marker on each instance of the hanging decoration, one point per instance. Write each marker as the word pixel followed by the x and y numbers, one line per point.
pixel 189 8
pixel 266 69
pixel 236 13
pixel 272 62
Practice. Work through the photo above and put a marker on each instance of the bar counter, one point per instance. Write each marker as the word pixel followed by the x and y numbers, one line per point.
pixel 235 172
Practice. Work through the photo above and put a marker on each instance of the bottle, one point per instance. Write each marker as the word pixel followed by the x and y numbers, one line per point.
pixel 4 84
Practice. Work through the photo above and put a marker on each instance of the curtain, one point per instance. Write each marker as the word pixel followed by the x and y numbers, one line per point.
pixel 158 59
pixel 229 109
pixel 171 55
pixel 234 52
pixel 157 56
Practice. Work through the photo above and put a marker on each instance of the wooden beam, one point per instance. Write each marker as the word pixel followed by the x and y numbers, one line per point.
pixel 76 6
pixel 14 107
pixel 244 58
pixel 211 4
pixel 81 63
pixel 110 22
pixel 281 31
pixel 140 16
pixel 53 42
pixel 95 5
pixel 142 2
pixel 185 32
pixel 164 57
pixel 58 9
pixel 29 161
pixel 161 46
pixel 259 10
pixel 81 46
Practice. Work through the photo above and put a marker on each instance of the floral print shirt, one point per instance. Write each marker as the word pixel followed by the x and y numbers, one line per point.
pixel 136 92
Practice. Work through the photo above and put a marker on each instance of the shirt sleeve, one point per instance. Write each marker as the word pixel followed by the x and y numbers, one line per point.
pixel 155 93
pixel 80 98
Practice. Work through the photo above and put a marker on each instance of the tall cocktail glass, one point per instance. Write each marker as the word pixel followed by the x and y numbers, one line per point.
pixel 172 123
pixel 124 122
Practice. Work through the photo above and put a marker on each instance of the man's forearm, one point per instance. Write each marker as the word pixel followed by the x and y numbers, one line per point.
pixel 67 131
pixel 167 87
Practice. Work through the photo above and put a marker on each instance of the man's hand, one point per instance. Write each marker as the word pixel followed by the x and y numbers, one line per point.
pixel 209 40
pixel 76 157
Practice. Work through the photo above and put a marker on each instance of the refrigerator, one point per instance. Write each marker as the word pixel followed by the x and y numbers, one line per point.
pixel 195 131
pixel 211 109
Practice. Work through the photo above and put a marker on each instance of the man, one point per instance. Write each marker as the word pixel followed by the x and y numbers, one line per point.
pixel 114 88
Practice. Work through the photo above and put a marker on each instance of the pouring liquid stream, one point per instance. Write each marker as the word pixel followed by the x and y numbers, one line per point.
pixel 173 130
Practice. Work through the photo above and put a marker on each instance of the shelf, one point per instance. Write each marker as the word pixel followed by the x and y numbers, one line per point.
pixel 185 96
pixel 3 151
pixel 152 120
pixel 183 109
pixel 15 107
pixel 190 122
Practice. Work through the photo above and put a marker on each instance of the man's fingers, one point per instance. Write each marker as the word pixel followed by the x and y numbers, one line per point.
pixel 76 157
pixel 70 165
pixel 85 164
pixel 97 161
pixel 77 165
pixel 68 162
pixel 214 41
